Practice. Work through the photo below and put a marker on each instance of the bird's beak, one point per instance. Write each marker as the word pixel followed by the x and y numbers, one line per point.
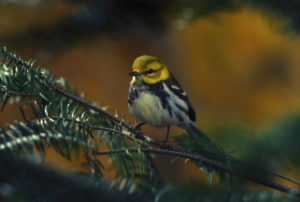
pixel 134 73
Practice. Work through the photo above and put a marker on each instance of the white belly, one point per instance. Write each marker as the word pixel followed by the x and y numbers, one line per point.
pixel 148 108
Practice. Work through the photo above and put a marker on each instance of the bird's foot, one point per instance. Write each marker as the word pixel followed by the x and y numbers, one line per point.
pixel 165 142
pixel 136 127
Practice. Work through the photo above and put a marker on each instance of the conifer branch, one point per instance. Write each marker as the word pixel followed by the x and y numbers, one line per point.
pixel 185 154
pixel 129 135
pixel 215 164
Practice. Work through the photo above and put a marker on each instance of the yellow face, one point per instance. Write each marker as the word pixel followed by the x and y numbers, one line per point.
pixel 149 69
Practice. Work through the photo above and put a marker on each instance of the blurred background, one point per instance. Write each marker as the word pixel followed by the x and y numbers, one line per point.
pixel 238 62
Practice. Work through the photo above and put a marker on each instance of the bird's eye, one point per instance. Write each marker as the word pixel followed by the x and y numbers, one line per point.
pixel 149 71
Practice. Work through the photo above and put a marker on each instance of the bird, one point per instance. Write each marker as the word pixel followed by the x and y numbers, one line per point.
pixel 156 98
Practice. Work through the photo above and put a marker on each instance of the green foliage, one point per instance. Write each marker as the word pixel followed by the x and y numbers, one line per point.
pixel 258 148
pixel 26 180
pixel 202 145
pixel 23 180
pixel 195 191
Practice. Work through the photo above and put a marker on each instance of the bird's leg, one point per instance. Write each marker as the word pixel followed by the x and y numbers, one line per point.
pixel 168 130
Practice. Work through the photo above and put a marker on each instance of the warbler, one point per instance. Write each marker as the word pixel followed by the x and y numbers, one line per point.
pixel 155 97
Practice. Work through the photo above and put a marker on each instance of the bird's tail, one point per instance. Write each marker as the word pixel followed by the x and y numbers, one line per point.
pixel 194 131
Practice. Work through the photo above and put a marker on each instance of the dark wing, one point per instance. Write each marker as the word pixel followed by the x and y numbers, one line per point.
pixel 175 87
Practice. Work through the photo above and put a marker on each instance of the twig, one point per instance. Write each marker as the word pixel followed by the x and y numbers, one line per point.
pixel 84 103
pixel 210 162
pixel 283 177
pixel 18 93
pixel 124 133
